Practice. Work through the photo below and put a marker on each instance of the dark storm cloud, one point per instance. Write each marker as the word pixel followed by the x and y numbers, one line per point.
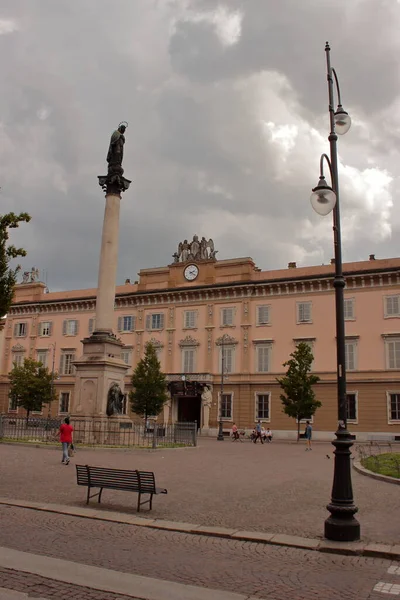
pixel 226 107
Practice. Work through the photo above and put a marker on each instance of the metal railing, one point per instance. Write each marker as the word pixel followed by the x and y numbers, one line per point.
pixel 100 432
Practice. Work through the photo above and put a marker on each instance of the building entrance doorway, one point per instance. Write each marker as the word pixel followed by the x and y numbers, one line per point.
pixel 189 409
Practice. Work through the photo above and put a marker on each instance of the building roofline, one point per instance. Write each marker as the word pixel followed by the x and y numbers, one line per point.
pixel 234 284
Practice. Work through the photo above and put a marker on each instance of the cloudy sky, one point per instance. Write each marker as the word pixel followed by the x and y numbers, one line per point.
pixel 227 111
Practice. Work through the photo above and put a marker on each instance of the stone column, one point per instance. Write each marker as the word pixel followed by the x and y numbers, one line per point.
pixel 108 265
pixel 100 368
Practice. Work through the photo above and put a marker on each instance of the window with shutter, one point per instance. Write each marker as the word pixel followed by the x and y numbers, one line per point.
pixel 70 327
pixel 227 317
pixel 155 321
pixel 12 405
pixel 127 323
pixel 350 355
pixel 126 356
pixel 92 325
pixel 262 315
pixel 349 309
pixel 262 407
pixel 18 359
pixel 394 406
pixel 188 355
pixel 66 363
pixel 262 355
pixel 392 305
pixel 393 354
pixel 20 329
pixel 352 406
pixel 45 329
pixel 42 357
pixel 304 312
pixel 64 403
pixel 226 406
pixel 227 353
pixel 190 319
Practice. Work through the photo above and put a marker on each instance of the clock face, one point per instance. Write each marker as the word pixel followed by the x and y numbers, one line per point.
pixel 191 272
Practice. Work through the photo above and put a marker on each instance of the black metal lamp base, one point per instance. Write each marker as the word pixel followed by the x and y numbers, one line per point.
pixel 342 529
pixel 341 525
pixel 220 437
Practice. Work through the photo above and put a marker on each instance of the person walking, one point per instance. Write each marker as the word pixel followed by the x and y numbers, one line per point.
pixel 258 433
pixel 66 439
pixel 308 433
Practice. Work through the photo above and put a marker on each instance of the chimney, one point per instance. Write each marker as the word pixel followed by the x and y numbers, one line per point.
pixel 372 257
pixel 332 261
pixel 291 265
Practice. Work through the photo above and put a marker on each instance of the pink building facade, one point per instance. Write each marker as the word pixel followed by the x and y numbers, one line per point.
pixel 259 316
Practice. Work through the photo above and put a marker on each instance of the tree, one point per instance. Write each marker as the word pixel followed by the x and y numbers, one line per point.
pixel 31 386
pixel 299 400
pixel 8 275
pixel 149 393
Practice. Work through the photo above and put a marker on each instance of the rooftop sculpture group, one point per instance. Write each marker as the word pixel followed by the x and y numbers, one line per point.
pixel 195 250
pixel 30 276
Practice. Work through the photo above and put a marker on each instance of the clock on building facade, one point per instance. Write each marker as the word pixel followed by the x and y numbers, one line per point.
pixel 191 272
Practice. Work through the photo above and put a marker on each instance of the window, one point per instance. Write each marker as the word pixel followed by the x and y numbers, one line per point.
pixel 20 329
pixel 393 406
pixel 190 319
pixel 393 354
pixel 226 406
pixel 262 407
pixel 228 354
pixel 126 356
pixel 350 354
pixel 155 321
pixel 126 323
pixel 392 306
pixel 188 360
pixel 227 316
pixel 18 359
pixel 12 405
pixel 304 312
pixel 70 327
pixel 352 407
pixel 66 360
pixel 64 402
pixel 349 309
pixel 263 358
pixel 92 325
pixel 45 329
pixel 262 315
pixel 42 357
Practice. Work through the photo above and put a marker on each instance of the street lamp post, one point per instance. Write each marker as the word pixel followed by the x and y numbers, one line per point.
pixel 341 525
pixel 220 436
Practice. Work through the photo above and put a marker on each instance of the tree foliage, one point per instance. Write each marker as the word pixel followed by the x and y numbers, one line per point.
pixel 298 399
pixel 8 275
pixel 30 386
pixel 149 393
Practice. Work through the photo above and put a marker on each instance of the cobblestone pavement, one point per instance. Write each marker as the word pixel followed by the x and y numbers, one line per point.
pixel 34 587
pixel 275 487
pixel 265 571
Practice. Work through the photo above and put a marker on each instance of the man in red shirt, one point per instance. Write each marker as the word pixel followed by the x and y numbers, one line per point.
pixel 66 439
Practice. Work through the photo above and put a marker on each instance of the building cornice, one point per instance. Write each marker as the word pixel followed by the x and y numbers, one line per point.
pixel 234 291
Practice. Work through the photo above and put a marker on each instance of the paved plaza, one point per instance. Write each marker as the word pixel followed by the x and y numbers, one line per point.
pixel 277 487
pixel 274 487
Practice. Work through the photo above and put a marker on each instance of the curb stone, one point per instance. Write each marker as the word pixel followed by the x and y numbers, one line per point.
pixel 357 466
pixel 370 549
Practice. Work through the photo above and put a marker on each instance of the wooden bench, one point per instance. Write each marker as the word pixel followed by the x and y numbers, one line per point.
pixel 141 482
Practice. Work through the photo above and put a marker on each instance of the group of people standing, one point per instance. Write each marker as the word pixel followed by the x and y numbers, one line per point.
pixel 259 432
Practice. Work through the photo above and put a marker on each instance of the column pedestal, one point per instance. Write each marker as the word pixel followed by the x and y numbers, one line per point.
pixel 99 367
